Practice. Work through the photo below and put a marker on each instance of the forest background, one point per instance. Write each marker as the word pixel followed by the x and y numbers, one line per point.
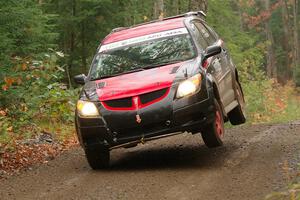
pixel 44 43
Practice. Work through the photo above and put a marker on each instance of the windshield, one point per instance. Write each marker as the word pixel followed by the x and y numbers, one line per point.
pixel 142 55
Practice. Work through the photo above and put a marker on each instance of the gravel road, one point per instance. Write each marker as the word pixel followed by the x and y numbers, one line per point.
pixel 254 161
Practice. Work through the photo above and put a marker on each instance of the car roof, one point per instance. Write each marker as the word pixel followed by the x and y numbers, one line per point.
pixel 145 29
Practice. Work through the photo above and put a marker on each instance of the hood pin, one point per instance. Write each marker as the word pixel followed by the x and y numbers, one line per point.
pixel 138 119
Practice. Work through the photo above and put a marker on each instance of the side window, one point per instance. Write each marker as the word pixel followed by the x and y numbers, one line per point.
pixel 212 31
pixel 205 33
pixel 199 38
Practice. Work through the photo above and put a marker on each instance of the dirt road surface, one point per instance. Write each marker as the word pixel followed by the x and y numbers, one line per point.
pixel 254 161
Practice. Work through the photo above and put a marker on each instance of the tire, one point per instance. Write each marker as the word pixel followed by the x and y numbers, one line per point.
pixel 213 133
pixel 238 116
pixel 98 157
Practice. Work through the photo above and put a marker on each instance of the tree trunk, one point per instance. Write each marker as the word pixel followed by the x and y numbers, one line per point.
pixel 271 68
pixel 176 7
pixel 296 59
pixel 286 25
pixel 286 40
pixel 179 7
pixel 72 39
pixel 197 5
pixel 240 11
pixel 159 9
pixel 68 76
pixel 83 46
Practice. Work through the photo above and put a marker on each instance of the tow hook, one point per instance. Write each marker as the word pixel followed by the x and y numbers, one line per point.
pixel 143 140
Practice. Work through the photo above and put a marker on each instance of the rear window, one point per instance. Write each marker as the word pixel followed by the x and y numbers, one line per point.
pixel 138 53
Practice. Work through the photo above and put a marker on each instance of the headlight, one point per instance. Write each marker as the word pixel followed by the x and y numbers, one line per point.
pixel 189 86
pixel 87 109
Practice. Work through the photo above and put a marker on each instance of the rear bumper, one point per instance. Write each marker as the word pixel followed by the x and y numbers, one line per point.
pixel 188 114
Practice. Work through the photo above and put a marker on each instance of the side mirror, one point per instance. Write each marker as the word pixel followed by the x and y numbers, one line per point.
pixel 80 79
pixel 211 51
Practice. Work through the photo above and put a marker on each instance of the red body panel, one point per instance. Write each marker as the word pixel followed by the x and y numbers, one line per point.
pixel 131 85
pixel 144 30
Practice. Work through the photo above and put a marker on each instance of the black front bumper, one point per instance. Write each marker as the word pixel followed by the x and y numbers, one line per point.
pixel 117 128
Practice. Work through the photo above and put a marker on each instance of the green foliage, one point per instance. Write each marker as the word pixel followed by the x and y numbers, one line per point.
pixel 245 46
pixel 34 94
pixel 297 75
pixel 248 49
pixel 23 30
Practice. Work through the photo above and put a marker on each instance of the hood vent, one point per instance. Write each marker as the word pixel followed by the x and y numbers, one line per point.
pixel 174 70
pixel 101 85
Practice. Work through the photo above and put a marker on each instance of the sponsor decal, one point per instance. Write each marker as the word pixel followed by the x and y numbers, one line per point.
pixel 145 38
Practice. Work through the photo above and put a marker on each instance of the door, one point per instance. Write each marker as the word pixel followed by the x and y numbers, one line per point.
pixel 227 79
pixel 220 66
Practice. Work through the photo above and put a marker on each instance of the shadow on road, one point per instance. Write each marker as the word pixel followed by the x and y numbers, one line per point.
pixel 177 157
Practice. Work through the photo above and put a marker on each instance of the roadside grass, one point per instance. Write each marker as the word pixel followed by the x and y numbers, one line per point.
pixel 11 132
pixel 34 144
pixel 292 191
pixel 269 102
pixel 36 112
pixel 60 131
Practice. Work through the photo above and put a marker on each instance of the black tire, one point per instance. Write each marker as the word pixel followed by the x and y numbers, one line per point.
pixel 98 157
pixel 238 116
pixel 213 133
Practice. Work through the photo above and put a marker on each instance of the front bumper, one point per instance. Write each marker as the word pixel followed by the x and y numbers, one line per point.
pixel 117 128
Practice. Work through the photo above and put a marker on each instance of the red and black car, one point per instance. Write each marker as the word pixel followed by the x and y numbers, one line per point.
pixel 155 79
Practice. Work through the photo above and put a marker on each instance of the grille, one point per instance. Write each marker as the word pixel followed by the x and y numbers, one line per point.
pixel 144 100
pixel 152 96
pixel 120 103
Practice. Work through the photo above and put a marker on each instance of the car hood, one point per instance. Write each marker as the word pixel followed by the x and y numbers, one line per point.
pixel 134 84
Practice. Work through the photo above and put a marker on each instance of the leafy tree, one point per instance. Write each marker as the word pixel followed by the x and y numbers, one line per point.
pixel 23 29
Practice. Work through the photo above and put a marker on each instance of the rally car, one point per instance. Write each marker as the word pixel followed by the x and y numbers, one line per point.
pixel 154 80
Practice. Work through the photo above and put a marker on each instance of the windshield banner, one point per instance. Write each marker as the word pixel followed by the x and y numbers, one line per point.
pixel 144 38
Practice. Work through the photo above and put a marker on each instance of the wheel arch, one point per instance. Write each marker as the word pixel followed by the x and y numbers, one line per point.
pixel 236 73
pixel 218 97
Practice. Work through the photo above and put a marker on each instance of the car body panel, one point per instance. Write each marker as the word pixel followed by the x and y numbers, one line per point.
pixel 138 83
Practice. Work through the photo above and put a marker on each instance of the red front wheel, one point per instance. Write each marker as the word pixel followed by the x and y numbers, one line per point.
pixel 213 133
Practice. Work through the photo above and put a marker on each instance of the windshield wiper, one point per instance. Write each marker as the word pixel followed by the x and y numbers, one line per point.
pixel 119 74
pixel 161 64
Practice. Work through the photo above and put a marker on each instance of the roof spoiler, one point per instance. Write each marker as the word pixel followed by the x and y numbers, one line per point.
pixel 118 29
pixel 197 13
pixel 200 14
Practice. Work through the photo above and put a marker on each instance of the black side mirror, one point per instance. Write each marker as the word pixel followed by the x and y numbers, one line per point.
pixel 80 79
pixel 211 51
